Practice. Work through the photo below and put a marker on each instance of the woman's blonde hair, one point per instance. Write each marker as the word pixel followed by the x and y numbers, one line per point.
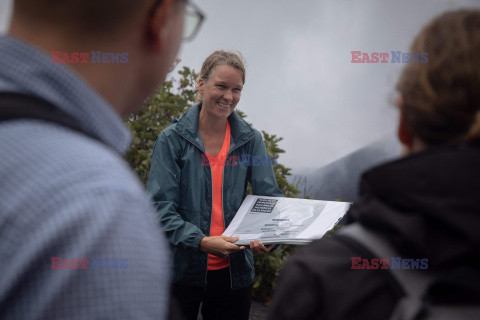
pixel 233 59
pixel 442 97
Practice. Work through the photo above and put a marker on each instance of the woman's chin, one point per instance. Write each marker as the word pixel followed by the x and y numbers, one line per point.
pixel 224 113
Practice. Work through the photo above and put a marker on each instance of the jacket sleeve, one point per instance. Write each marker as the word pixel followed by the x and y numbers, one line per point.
pixel 262 177
pixel 164 186
pixel 297 294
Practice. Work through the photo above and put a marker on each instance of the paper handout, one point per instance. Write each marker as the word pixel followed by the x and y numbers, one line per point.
pixel 277 220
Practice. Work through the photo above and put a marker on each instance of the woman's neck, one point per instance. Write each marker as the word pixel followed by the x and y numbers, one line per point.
pixel 210 125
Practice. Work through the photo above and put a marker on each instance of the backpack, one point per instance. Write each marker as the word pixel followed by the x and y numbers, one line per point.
pixel 20 106
pixel 412 286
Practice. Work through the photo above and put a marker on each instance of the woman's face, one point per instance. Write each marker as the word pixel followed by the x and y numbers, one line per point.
pixel 221 92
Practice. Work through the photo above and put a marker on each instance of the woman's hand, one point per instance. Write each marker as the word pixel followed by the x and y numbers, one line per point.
pixel 220 246
pixel 258 247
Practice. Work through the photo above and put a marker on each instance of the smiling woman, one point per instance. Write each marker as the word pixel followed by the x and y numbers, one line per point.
pixel 221 92
pixel 220 58
pixel 197 194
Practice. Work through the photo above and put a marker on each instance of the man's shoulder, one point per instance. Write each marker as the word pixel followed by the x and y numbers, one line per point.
pixel 68 199
pixel 39 141
pixel 54 156
pixel 53 174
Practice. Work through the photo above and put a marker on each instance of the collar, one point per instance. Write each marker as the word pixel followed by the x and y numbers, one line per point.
pixel 187 127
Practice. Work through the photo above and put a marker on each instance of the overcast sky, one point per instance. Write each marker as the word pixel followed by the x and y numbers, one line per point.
pixel 301 84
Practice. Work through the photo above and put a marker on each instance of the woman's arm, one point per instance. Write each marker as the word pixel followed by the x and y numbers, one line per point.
pixel 164 186
pixel 220 246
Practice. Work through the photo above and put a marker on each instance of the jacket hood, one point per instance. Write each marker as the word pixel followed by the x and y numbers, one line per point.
pixel 187 126
pixel 427 204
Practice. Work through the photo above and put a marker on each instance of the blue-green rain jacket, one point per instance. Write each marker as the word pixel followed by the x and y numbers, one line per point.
pixel 182 192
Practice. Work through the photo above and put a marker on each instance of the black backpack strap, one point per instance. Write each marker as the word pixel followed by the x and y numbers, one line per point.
pixel 415 283
pixel 366 253
pixel 22 106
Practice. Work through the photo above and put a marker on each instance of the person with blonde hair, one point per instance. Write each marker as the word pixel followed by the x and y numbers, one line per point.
pixel 424 206
pixel 201 166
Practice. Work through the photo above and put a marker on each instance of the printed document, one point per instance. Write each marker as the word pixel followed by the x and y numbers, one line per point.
pixel 277 220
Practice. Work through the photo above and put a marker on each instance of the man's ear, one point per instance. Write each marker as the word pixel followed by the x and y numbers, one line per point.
pixel 157 23
pixel 404 133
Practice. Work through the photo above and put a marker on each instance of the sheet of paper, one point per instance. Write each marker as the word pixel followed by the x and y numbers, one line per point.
pixel 284 220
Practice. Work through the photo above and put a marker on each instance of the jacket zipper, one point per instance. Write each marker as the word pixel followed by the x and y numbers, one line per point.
pixel 211 178
pixel 223 212
pixel 224 227
pixel 211 215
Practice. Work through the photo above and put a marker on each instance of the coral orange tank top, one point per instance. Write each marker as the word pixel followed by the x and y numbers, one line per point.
pixel 218 227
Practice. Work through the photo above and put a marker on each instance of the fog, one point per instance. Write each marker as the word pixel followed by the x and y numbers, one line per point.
pixel 301 84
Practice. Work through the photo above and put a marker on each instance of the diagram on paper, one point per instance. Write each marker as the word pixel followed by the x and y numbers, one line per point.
pixel 273 218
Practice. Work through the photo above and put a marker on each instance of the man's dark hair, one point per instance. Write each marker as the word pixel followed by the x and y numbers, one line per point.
pixel 80 17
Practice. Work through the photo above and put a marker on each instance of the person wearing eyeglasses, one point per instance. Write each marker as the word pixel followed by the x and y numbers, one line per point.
pixel 201 165
pixel 78 235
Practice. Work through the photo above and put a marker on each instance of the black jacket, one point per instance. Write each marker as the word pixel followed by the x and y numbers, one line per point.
pixel 427 205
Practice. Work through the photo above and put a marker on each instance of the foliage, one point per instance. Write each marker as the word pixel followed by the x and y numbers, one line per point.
pixel 167 103
pixel 170 102
pixel 268 266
